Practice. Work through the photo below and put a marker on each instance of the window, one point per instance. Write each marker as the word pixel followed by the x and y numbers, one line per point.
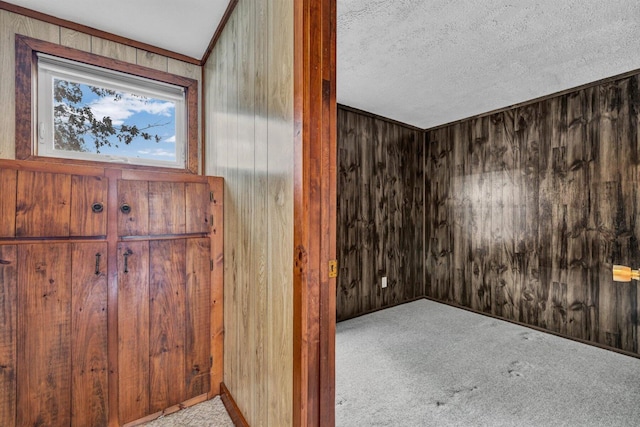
pixel 90 108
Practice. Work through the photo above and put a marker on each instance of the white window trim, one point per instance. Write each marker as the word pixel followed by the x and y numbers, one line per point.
pixel 50 67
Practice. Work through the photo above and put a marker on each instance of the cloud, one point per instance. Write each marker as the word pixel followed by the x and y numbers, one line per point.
pixel 127 106
pixel 171 139
pixel 158 152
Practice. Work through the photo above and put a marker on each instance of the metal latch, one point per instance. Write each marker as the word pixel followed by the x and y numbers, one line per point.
pixel 333 268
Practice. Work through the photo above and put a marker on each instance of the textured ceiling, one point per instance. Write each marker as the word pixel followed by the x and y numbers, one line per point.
pixel 428 63
pixel 420 62
pixel 181 26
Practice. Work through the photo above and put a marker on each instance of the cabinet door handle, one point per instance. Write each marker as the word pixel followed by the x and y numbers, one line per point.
pixel 126 260
pixel 98 255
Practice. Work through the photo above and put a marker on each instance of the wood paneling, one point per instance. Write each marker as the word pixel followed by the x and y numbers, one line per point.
pixel 249 135
pixel 380 213
pixel 198 212
pixel 197 317
pixel 8 332
pixel 166 208
pixel 44 322
pixel 85 191
pixel 136 195
pixel 533 205
pixel 43 204
pixel 133 330
pixel 9 179
pixel 167 332
pixel 89 358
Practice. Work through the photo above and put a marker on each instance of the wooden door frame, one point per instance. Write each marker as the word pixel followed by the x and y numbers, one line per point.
pixel 315 115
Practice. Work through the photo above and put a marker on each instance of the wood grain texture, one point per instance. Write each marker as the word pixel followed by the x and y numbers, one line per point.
pixel 89 357
pixel 249 137
pixel 553 204
pixel 9 179
pixel 167 315
pixel 151 60
pixel 136 195
pixel 44 324
pixel 75 39
pixel 43 204
pixel 8 334
pixel 197 208
pixel 85 191
pixel 380 213
pixel 197 322
pixel 133 331
pixel 114 50
pixel 217 286
pixel 167 213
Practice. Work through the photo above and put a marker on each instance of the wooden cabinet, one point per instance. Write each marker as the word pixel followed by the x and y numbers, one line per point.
pixel 106 323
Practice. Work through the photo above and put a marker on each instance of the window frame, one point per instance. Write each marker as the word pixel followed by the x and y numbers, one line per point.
pixel 26 106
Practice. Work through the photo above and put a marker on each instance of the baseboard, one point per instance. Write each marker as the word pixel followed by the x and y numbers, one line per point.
pixel 380 308
pixel 232 408
pixel 536 328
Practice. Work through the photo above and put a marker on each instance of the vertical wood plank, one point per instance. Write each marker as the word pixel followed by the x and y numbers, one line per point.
pixel 136 195
pixel 44 325
pixel 75 39
pixel 133 330
pixel 198 318
pixel 151 60
pixel 217 286
pixel 8 177
pixel 8 334
pixel 43 204
pixel 85 191
pixel 167 316
pixel 198 212
pixel 167 213
pixel 89 358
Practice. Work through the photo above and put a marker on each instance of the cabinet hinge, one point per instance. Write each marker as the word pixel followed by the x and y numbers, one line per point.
pixel 211 220
pixel 211 196
pixel 210 361
pixel 333 268
pixel 211 264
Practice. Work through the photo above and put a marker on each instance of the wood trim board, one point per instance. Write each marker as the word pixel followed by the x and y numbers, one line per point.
pixel 232 407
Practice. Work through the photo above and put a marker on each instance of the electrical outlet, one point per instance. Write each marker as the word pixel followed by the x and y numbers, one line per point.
pixel 384 281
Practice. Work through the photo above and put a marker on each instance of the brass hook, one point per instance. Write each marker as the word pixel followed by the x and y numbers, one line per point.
pixel 622 273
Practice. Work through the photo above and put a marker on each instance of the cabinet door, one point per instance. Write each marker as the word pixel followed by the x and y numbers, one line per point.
pixel 44 340
pixel 89 206
pixel 89 358
pixel 8 178
pixel 43 204
pixel 133 221
pixel 198 207
pixel 8 317
pixel 166 208
pixel 133 330
pixel 62 289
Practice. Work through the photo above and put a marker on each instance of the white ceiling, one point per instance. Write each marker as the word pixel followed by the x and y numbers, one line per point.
pixel 416 61
pixel 181 26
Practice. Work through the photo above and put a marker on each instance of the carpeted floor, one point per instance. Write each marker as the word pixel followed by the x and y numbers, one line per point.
pixel 429 364
pixel 206 414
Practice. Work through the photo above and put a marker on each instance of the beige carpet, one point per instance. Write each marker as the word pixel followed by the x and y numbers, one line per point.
pixel 206 414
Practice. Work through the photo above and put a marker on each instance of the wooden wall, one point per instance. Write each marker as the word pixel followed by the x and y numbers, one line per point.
pixel 249 141
pixel 12 23
pixel 527 210
pixel 380 213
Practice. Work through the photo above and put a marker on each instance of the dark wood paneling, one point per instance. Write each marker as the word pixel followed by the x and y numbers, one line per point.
pixel 8 320
pixel 527 209
pixel 44 322
pixel 380 213
pixel 89 356
pixel 198 211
